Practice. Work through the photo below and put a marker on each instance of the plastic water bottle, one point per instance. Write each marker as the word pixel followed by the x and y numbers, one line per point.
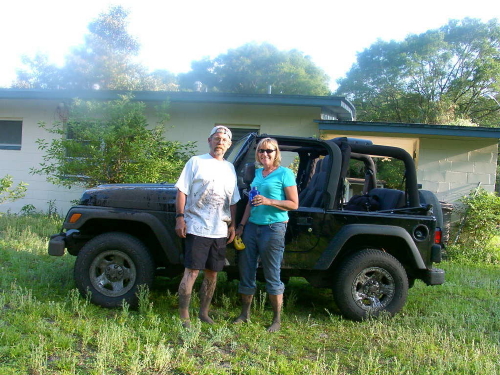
pixel 252 194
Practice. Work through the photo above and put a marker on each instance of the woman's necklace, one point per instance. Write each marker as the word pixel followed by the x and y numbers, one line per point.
pixel 267 173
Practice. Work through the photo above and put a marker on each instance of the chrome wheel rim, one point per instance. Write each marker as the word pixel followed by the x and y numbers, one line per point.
pixel 113 273
pixel 373 289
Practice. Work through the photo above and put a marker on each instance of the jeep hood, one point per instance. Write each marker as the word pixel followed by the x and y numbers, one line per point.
pixel 134 196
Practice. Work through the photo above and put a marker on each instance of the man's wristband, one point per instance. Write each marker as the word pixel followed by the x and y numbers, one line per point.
pixel 179 215
pixel 241 225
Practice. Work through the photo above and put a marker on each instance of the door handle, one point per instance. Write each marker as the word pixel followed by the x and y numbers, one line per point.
pixel 304 220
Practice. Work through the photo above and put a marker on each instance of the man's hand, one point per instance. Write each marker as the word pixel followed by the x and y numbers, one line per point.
pixel 230 234
pixel 180 227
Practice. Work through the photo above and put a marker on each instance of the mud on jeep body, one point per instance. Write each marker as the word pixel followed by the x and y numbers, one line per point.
pixel 123 234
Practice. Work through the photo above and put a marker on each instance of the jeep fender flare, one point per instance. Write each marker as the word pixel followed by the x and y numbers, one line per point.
pixel 348 231
pixel 160 231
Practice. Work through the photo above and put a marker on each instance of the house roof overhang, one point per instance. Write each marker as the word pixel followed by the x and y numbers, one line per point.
pixel 410 129
pixel 331 106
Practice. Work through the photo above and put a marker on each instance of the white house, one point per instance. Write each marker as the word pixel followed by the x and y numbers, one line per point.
pixel 192 116
pixel 451 160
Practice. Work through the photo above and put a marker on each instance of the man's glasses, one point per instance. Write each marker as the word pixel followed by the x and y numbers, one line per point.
pixel 221 140
pixel 268 151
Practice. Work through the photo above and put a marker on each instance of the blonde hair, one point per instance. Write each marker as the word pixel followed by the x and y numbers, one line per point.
pixel 266 142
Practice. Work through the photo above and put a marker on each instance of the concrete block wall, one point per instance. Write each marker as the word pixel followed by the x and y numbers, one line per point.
pixel 451 168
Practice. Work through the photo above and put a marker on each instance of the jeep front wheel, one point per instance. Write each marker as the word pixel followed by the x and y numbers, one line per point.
pixel 111 266
pixel 370 282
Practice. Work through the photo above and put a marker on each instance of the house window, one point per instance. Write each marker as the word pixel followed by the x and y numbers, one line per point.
pixel 10 134
pixel 76 147
pixel 239 132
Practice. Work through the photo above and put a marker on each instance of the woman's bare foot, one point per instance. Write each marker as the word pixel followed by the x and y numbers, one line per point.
pixel 241 319
pixel 246 304
pixel 275 327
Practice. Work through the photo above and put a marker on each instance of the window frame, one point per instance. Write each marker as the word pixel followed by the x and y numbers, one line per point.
pixel 237 129
pixel 19 134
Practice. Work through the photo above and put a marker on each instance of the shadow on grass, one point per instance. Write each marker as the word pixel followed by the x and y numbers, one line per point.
pixel 51 279
pixel 299 298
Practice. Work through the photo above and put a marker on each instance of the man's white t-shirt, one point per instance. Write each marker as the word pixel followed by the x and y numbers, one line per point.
pixel 210 187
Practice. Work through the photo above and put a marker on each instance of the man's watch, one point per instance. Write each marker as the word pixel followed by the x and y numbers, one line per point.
pixel 179 215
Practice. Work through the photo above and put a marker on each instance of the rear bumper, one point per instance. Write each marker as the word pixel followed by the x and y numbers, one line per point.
pixel 436 253
pixel 434 276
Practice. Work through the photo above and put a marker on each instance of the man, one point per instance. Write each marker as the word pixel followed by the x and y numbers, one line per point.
pixel 206 210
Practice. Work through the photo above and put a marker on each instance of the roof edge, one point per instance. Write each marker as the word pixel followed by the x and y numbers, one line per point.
pixel 339 106
pixel 409 128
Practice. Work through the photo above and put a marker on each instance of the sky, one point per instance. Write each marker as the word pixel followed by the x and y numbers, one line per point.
pixel 173 33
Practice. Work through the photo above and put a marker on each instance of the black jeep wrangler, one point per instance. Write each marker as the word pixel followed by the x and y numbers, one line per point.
pixel 368 248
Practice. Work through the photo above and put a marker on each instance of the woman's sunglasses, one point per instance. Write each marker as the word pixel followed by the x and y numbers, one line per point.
pixel 268 151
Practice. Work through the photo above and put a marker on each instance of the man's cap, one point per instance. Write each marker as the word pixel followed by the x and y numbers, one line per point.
pixel 221 129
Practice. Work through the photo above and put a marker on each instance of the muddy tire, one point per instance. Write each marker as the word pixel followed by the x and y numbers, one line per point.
pixel 111 267
pixel 368 283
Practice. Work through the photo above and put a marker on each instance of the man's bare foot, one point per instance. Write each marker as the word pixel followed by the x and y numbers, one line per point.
pixel 186 324
pixel 206 319
pixel 275 327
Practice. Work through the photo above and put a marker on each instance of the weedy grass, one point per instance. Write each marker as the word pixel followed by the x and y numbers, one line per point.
pixel 46 327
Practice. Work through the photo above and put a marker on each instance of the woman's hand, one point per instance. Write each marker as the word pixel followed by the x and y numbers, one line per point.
pixel 239 230
pixel 290 203
pixel 259 200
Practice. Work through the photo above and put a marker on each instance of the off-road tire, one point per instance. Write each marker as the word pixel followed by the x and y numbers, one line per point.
pixel 369 283
pixel 111 267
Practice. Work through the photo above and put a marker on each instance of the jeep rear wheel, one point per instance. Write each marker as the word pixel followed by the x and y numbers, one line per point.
pixel 370 282
pixel 111 266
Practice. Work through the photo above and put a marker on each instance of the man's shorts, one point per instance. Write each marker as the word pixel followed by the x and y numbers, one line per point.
pixel 205 253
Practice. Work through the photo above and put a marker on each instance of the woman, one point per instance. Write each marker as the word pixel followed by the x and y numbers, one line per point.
pixel 263 226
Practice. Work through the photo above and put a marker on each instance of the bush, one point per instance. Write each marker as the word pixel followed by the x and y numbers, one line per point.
pixel 478 239
pixel 111 142
pixel 490 253
pixel 8 193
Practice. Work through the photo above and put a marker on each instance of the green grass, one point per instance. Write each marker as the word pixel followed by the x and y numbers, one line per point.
pixel 47 328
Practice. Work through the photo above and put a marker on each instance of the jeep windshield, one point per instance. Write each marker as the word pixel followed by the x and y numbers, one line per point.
pixel 237 147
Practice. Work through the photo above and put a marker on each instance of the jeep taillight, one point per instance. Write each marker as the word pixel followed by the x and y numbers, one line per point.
pixel 438 235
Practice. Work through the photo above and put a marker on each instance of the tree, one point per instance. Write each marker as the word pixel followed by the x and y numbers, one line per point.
pixel 252 68
pixel 440 76
pixel 105 61
pixel 165 79
pixel 41 74
pixel 8 193
pixel 110 142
